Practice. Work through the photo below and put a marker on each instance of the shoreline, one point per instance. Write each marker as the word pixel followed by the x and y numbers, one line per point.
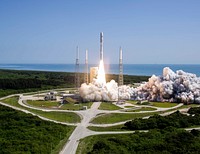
pixel 128 69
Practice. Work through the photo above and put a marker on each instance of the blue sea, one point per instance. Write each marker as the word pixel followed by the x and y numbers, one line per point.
pixel 129 69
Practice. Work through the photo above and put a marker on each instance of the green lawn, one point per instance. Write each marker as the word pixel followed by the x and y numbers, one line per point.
pixel 190 105
pixel 71 106
pixel 118 117
pixel 108 106
pixel 112 128
pixel 142 109
pixel 42 103
pixel 58 116
pixel 163 104
pixel 129 106
pixel 132 102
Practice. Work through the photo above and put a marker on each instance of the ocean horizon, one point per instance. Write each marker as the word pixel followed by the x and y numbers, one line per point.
pixel 128 69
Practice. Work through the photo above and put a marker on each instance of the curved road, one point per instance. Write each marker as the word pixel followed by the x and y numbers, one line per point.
pixel 81 130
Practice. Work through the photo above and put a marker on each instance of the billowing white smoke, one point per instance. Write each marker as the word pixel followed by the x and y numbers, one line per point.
pixel 107 92
pixel 173 87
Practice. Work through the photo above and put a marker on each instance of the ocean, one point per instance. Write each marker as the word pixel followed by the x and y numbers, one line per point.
pixel 129 69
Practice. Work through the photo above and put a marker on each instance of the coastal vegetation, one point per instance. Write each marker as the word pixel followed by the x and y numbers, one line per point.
pixel 164 135
pixel 20 81
pixel 24 133
pixel 168 140
pixel 176 119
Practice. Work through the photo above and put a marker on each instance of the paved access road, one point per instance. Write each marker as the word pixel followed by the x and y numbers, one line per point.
pixel 81 130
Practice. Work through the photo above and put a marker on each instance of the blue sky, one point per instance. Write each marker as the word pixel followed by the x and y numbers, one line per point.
pixel 149 31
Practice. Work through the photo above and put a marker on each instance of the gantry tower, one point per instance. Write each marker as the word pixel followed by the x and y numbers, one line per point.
pixel 77 73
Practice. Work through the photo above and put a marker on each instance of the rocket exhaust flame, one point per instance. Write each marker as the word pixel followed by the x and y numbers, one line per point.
pixel 101 79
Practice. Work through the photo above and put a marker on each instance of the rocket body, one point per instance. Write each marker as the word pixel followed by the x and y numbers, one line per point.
pixel 120 54
pixel 101 46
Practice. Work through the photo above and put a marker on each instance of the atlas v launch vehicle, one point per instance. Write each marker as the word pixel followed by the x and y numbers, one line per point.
pixel 101 46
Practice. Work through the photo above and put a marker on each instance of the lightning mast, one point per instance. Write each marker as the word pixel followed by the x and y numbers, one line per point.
pixel 77 74
pixel 86 67
pixel 121 78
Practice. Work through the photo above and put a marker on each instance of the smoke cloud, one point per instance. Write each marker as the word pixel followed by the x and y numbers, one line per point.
pixel 96 91
pixel 171 87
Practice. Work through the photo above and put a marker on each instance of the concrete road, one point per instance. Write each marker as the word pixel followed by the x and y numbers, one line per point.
pixel 81 130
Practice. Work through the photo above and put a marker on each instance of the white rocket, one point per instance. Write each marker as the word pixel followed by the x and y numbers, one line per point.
pixel 101 46
pixel 120 54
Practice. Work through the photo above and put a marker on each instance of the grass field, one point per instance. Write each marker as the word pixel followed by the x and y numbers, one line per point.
pixel 118 117
pixel 108 106
pixel 142 109
pixel 71 106
pixel 41 103
pixel 58 116
pixel 129 106
pixel 190 105
pixel 132 102
pixel 112 128
pixel 163 104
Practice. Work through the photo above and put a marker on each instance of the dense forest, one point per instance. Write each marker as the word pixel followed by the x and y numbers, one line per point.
pixel 24 133
pixel 166 141
pixel 165 136
pixel 176 119
pixel 15 81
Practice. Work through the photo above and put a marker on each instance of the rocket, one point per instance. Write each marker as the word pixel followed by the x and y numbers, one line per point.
pixel 77 53
pixel 101 46
pixel 120 54
pixel 86 56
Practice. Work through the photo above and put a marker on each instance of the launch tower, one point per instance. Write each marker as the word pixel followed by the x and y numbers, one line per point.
pixel 77 74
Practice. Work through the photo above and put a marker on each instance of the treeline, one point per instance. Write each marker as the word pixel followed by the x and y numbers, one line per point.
pixel 166 141
pixel 14 81
pixel 128 79
pixel 26 83
pixel 176 119
pixel 24 133
pixel 19 83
